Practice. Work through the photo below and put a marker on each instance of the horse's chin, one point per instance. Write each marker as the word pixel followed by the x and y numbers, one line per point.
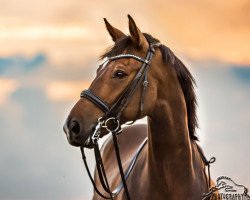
pixel 88 144
pixel 80 141
pixel 74 143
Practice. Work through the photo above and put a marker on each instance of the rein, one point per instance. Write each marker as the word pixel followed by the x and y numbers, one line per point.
pixel 111 122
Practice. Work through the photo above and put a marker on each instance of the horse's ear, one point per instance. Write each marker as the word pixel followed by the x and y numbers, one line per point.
pixel 139 39
pixel 114 32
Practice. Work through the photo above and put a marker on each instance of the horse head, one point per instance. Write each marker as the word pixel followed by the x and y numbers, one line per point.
pixel 114 77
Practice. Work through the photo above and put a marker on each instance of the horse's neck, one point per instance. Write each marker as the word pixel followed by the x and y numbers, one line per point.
pixel 168 137
pixel 170 150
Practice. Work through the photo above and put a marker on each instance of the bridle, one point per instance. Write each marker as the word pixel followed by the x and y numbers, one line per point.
pixel 115 110
pixel 111 122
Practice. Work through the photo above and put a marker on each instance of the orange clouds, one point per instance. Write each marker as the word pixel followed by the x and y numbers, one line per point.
pixel 217 30
pixel 199 30
pixel 65 90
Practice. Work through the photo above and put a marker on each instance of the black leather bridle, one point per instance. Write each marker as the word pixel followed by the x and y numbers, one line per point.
pixel 115 110
pixel 111 122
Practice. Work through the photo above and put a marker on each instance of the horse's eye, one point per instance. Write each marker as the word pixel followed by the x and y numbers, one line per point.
pixel 119 74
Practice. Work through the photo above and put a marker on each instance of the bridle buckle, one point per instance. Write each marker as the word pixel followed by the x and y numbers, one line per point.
pixel 96 135
pixel 112 124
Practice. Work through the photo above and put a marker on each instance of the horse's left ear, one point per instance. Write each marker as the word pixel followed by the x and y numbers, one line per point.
pixel 139 39
pixel 114 32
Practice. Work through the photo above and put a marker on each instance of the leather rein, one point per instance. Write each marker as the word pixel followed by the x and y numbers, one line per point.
pixel 111 122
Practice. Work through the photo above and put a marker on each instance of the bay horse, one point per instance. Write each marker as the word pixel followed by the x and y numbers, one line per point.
pixel 170 165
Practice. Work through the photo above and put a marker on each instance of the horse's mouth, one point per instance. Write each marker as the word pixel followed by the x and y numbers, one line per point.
pixel 88 143
pixel 79 140
pixel 75 143
pixel 84 141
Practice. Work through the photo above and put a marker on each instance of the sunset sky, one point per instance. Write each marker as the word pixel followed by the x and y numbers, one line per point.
pixel 72 33
pixel 48 54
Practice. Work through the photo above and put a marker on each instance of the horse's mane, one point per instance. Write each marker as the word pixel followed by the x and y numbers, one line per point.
pixel 185 78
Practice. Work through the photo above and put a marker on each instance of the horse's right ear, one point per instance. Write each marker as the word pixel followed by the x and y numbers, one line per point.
pixel 114 32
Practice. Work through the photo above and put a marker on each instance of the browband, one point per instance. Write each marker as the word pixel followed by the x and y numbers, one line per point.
pixel 129 56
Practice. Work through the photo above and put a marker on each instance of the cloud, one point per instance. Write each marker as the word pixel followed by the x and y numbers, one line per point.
pixel 242 73
pixel 20 64
pixel 200 30
pixel 45 32
pixel 61 83
pixel 36 160
pixel 65 90
pixel 13 69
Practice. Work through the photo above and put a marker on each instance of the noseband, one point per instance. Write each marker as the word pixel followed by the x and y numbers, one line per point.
pixel 111 122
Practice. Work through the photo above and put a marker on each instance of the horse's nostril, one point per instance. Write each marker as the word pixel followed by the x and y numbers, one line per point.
pixel 75 127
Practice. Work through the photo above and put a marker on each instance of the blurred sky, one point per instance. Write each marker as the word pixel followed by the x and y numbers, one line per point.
pixel 48 51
